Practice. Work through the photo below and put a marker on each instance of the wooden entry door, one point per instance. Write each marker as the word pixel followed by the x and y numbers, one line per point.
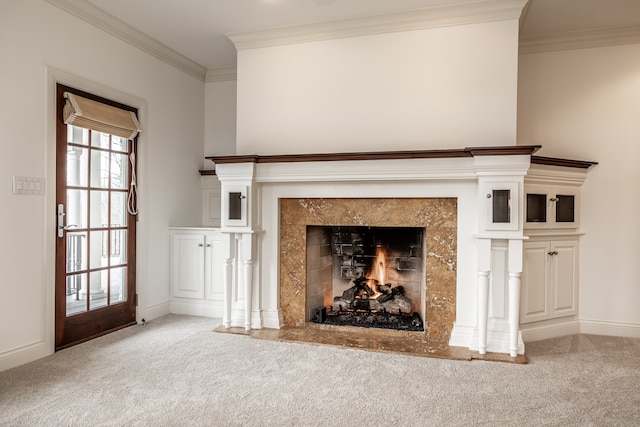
pixel 95 234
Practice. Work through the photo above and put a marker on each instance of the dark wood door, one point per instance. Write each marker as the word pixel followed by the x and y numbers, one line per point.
pixel 96 232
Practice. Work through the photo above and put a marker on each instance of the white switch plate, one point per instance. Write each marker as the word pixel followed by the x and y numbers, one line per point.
pixel 28 185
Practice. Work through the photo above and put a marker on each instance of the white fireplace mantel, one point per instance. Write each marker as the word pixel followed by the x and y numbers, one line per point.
pixel 489 253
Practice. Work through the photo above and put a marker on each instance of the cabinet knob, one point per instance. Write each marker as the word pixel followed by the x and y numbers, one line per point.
pixel 208 245
pixel 553 253
pixel 200 245
pixel 553 199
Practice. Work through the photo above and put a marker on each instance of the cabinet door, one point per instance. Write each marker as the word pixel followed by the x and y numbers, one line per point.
pixel 188 266
pixel 214 282
pixel 564 278
pixel 501 206
pixel 534 295
pixel 551 207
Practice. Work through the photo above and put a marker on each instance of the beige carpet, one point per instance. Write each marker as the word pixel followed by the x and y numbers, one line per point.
pixel 176 372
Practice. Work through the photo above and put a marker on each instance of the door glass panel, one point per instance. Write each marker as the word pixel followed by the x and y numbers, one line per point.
pixel 76 208
pixel 118 247
pixel 99 249
pixel 119 144
pixel 536 208
pixel 565 208
pixel 100 140
pixel 501 206
pixel 118 285
pixel 76 284
pixel 77 163
pixel 119 171
pixel 76 252
pixel 99 209
pixel 98 288
pixel 99 169
pixel 118 209
pixel 77 135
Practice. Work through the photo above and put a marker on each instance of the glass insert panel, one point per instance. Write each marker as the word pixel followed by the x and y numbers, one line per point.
pixel 536 208
pixel 501 206
pixel 77 166
pixel 77 135
pixel 118 285
pixel 76 251
pixel 98 288
pixel 118 209
pixel 99 209
pixel 119 144
pixel 119 168
pixel 118 247
pixel 76 208
pixel 99 169
pixel 99 249
pixel 100 140
pixel 76 294
pixel 565 208
pixel 235 205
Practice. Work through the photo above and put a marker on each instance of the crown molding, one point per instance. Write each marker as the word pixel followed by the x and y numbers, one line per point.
pixel 581 40
pixel 221 74
pixel 440 16
pixel 100 19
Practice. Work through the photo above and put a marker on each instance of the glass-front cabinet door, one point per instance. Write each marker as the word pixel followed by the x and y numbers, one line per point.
pixel 551 207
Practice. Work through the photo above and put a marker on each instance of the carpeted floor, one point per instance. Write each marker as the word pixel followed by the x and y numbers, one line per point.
pixel 176 372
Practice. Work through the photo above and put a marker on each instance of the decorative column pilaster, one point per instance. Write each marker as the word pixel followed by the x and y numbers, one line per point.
pixel 515 281
pixel 239 206
pixel 483 310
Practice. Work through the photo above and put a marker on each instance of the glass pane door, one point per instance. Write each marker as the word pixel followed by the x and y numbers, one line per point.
pixel 96 233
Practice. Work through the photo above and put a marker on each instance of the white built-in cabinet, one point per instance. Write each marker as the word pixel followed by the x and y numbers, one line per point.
pixel 196 271
pixel 549 279
pixel 550 282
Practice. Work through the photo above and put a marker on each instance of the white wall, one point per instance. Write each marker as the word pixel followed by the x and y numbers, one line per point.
pixel 585 104
pixel 220 122
pixel 40 43
pixel 437 88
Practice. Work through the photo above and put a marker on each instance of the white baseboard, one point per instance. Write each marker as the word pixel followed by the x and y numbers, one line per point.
pixel 272 319
pixel 534 332
pixel 497 340
pixel 461 336
pixel 197 308
pixel 616 329
pixel 26 354
pixel 154 311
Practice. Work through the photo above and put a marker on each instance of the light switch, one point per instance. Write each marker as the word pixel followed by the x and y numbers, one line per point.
pixel 28 185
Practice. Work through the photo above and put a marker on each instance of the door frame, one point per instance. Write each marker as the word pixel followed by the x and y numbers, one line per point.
pixel 54 76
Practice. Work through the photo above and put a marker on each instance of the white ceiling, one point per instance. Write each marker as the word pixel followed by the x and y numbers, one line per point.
pixel 196 28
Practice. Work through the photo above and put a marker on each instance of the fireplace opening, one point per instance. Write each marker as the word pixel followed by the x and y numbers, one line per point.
pixel 369 277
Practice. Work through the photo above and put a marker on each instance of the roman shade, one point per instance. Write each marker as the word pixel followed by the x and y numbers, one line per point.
pixel 86 113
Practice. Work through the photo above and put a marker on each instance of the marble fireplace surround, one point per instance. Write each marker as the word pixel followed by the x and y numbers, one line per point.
pixel 437 215
pixel 473 266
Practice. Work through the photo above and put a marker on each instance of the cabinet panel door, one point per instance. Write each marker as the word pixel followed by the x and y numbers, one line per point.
pixel 188 266
pixel 214 282
pixel 534 296
pixel 564 268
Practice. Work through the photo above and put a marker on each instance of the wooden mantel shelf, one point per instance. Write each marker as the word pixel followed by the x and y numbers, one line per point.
pixel 380 155
pixel 553 161
pixel 394 155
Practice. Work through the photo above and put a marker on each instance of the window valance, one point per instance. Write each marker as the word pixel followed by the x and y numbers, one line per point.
pixel 86 113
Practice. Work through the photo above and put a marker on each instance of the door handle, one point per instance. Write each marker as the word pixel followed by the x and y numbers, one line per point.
pixel 61 227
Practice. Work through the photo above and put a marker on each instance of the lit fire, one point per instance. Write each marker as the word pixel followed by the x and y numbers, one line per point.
pixel 380 268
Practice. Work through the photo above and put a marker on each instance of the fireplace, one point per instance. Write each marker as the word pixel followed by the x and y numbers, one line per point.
pixel 370 277
pixel 470 276
pixel 419 233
